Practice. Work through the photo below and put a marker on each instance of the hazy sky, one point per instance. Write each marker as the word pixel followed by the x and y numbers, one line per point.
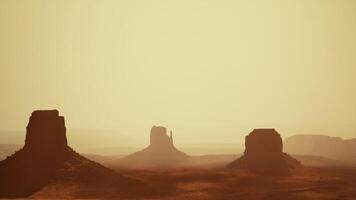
pixel 211 70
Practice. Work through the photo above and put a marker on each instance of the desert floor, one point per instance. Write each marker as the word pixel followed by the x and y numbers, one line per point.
pixel 220 184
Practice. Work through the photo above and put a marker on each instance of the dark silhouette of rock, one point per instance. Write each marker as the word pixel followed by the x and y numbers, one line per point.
pixel 159 138
pixel 322 145
pixel 264 154
pixel 46 131
pixel 46 159
pixel 161 153
pixel 8 149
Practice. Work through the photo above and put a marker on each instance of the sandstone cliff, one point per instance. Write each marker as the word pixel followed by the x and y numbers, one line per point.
pixel 161 153
pixel 46 161
pixel 264 154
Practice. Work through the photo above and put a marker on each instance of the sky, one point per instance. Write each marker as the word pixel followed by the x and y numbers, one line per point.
pixel 210 70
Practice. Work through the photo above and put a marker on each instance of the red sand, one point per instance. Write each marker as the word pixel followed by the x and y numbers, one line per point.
pixel 304 183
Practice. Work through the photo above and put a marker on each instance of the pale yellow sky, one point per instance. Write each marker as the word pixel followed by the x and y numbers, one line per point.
pixel 211 70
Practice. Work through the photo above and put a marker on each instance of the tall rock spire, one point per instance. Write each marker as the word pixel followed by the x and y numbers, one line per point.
pixel 161 153
pixel 171 136
pixel 159 137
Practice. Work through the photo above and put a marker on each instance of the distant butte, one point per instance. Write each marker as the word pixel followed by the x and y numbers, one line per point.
pixel 161 153
pixel 160 139
pixel 46 131
pixel 47 161
pixel 264 154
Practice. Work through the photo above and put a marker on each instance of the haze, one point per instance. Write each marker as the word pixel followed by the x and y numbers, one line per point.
pixel 209 70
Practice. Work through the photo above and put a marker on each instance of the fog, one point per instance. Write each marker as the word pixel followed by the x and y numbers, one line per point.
pixel 210 71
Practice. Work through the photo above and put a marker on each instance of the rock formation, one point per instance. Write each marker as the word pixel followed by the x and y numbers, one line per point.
pixel 8 149
pixel 159 138
pixel 46 131
pixel 324 146
pixel 264 154
pixel 161 153
pixel 46 159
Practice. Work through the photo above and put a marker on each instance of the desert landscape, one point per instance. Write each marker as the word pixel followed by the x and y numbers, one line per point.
pixel 305 183
pixel 47 168
pixel 178 99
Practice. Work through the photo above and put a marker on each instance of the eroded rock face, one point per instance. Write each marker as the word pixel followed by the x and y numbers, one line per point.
pixel 46 131
pixel 266 143
pixel 159 137
pixel 47 159
pixel 161 153
pixel 324 146
pixel 264 154
pixel 45 150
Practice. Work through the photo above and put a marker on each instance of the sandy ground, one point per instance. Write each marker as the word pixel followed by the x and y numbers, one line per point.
pixel 221 184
